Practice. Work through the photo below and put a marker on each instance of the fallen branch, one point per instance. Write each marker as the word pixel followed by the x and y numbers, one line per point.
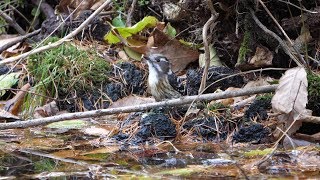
pixel 143 107
pixel 18 39
pixel 310 119
pixel 12 23
pixel 58 43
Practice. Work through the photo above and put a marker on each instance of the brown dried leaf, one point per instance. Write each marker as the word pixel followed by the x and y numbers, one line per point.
pixel 262 58
pixel 47 110
pixel 13 105
pixel 178 54
pixel 291 94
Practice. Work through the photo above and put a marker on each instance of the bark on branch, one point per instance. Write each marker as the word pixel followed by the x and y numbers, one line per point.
pixel 143 107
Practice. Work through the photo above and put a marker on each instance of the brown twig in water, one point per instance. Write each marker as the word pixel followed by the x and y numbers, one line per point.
pixel 131 10
pixel 142 107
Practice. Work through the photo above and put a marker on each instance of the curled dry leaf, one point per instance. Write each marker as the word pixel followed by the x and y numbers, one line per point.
pixel 178 54
pixel 291 94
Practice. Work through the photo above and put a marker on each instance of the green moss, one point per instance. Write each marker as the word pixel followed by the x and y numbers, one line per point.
pixel 266 97
pixel 44 165
pixel 216 106
pixel 62 70
pixel 98 156
pixel 313 84
pixel 244 48
pixel 254 153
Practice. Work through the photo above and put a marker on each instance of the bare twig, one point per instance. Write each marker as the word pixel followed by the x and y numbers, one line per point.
pixel 131 10
pixel 173 102
pixel 274 35
pixel 214 16
pixel 18 39
pixel 284 33
pixel 302 9
pixel 310 119
pixel 12 23
pixel 55 44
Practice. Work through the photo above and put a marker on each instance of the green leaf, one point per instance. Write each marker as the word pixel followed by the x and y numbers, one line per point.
pixel 126 32
pixel 7 81
pixel 170 31
pixel 118 22
pixel 132 54
pixel 35 12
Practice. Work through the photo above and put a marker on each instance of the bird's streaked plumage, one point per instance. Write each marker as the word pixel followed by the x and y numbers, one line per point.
pixel 159 69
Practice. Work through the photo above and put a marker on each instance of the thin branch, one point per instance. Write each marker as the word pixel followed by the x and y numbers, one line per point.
pixel 283 32
pixel 310 119
pixel 143 107
pixel 131 10
pixel 302 9
pixel 18 39
pixel 274 35
pixel 214 16
pixel 12 23
pixel 58 43
pixel 206 53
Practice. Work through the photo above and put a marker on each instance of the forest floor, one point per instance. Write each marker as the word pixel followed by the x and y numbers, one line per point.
pixel 75 100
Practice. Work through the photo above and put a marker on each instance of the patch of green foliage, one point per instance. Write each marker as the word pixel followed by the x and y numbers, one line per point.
pixel 98 156
pixel 257 152
pixel 126 32
pixel 62 70
pixel 216 106
pixel 265 97
pixel 143 2
pixel 313 85
pixel 120 6
pixel 44 165
pixel 244 48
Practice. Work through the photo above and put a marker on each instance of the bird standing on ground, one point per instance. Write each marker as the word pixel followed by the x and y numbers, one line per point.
pixel 158 82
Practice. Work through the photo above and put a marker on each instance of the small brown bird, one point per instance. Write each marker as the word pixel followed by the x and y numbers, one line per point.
pixel 158 82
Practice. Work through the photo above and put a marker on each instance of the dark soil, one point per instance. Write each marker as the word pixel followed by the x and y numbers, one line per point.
pixel 258 109
pixel 155 125
pixel 255 133
pixel 206 127
pixel 214 74
pixel 4 69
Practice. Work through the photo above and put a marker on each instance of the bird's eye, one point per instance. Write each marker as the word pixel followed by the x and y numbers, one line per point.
pixel 158 60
